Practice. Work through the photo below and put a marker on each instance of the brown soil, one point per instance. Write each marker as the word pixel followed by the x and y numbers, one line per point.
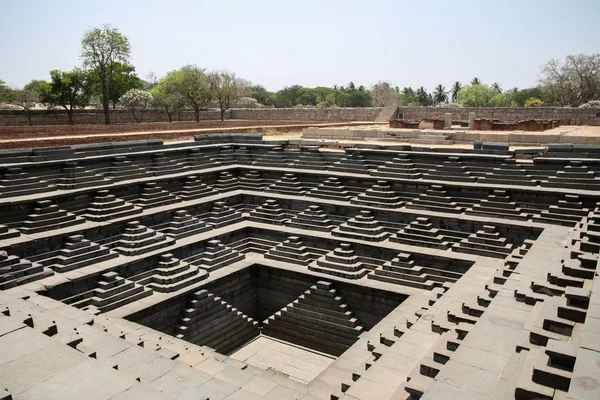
pixel 24 132
pixel 14 137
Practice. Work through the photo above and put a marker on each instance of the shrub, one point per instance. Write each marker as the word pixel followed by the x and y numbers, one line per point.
pixel 533 102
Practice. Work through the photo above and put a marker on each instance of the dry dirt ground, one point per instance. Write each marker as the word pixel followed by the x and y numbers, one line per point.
pixel 12 137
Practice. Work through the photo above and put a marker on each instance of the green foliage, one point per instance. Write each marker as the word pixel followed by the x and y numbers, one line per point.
pixel 454 91
pixel 520 96
pixel 423 98
pixel 25 98
pixel 123 78
pixel 351 96
pixel 573 82
pixel 440 95
pixel 192 84
pixel 262 95
pixel 533 102
pixel 166 97
pixel 475 81
pixel 476 96
pixel 102 51
pixel 228 89
pixel 137 101
pixel 68 89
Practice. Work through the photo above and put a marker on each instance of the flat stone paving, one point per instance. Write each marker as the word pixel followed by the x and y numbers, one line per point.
pixel 298 363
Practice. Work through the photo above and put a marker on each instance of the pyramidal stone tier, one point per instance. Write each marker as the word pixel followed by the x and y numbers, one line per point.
pixel 221 215
pixel 313 218
pixel 509 171
pixel 225 156
pixel 47 216
pixel 274 157
pixel 76 177
pixel 485 242
pixel 7 233
pixel 155 196
pixel 380 195
pixel 269 213
pixel 401 166
pixel 123 169
pixel 243 155
pixel 567 212
pixel 309 157
pixel 193 188
pixel 113 291
pixel 451 170
pixel 435 199
pixel 291 250
pixel 364 227
pixel 106 206
pixel 226 182
pixel 340 262
pixel 78 252
pixel 211 321
pixel 331 189
pixel 15 182
pixel 421 232
pixel 170 275
pixel 353 162
pixel 199 158
pixel 163 165
pixel 402 270
pixel 15 271
pixel 216 256
pixel 289 184
pixel 318 319
pixel 574 176
pixel 183 224
pixel 252 181
pixel 498 205
pixel 138 239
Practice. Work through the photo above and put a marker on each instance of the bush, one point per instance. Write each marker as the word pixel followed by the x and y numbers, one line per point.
pixel 137 102
pixel 533 102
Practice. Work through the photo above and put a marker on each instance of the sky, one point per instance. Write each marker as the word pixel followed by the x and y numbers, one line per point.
pixel 310 43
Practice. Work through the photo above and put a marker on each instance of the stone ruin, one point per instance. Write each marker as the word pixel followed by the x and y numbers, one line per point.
pixel 143 270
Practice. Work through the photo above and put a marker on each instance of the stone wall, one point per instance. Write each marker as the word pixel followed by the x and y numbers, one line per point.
pixel 307 114
pixel 59 117
pixel 574 116
pixel 119 116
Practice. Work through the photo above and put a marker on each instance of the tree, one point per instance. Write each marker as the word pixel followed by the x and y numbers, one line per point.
pixel 137 101
pixel 287 97
pixel 496 86
pixel 192 84
pixel 69 90
pixel 124 79
pixel 26 98
pixel 573 82
pixel 440 95
pixel 102 50
pixel 476 96
pixel 262 95
pixel 455 89
pixel 166 97
pixel 383 94
pixel 422 97
pixel 3 91
pixel 475 81
pixel 228 89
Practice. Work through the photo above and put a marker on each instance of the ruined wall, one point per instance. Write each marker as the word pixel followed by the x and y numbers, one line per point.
pixel 59 117
pixel 574 116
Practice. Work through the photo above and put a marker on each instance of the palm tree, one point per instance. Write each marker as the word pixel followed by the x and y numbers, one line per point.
pixel 422 97
pixel 440 95
pixel 496 86
pixel 476 81
pixel 455 89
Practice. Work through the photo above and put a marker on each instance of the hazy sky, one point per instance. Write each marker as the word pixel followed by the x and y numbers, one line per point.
pixel 306 42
